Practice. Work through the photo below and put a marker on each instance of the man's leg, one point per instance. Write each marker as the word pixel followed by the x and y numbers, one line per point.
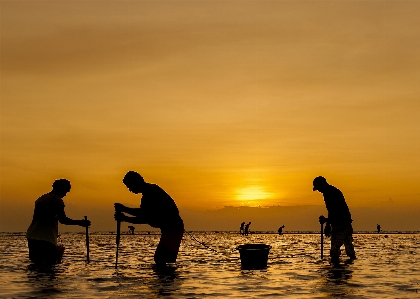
pixel 337 240
pixel 168 247
pixel 42 252
pixel 348 242
pixel 336 243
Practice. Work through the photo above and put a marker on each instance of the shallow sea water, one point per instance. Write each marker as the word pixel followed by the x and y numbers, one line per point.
pixel 388 266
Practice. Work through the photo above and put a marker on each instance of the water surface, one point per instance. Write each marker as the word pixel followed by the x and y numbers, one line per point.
pixel 388 266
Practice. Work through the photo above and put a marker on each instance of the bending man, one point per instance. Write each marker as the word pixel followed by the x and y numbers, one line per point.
pixel 43 232
pixel 157 209
pixel 338 221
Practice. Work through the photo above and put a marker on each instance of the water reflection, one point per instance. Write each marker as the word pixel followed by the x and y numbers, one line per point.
pixel 336 279
pixel 43 279
pixel 385 268
pixel 165 281
pixel 339 275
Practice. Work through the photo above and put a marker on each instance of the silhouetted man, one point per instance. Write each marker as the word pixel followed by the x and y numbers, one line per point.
pixel 158 210
pixel 131 229
pixel 338 221
pixel 43 231
pixel 247 228
pixel 241 229
pixel 280 231
pixel 378 228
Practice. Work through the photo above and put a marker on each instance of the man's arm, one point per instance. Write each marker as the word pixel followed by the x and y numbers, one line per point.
pixel 62 217
pixel 134 220
pixel 120 208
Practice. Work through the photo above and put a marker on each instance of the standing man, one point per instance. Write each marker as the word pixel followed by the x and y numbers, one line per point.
pixel 157 209
pixel 280 230
pixel 43 231
pixel 241 229
pixel 338 221
pixel 247 228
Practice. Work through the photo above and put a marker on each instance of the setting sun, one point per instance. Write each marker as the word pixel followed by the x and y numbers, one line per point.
pixel 225 105
pixel 252 193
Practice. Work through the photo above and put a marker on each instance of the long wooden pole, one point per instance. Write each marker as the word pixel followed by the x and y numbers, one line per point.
pixel 322 241
pixel 87 242
pixel 118 242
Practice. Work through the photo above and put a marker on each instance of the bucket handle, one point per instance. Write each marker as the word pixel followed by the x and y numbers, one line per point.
pixel 269 247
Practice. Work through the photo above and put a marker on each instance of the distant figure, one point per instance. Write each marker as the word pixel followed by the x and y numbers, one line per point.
pixel 378 227
pixel 338 221
pixel 246 232
pixel 43 232
pixel 157 209
pixel 280 231
pixel 131 228
pixel 241 229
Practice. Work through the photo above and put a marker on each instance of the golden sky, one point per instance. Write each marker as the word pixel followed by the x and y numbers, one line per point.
pixel 221 103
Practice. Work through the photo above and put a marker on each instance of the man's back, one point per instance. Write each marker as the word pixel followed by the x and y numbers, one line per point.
pixel 159 208
pixel 338 211
pixel 44 224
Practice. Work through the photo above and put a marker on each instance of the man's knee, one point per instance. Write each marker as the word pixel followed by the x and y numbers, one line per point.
pixel 167 250
pixel 335 251
pixel 164 255
pixel 350 250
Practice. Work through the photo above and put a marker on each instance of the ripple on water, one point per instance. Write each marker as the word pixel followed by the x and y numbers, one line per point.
pixel 385 268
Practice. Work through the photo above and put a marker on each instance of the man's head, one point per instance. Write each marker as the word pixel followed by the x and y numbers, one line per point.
pixel 134 182
pixel 319 184
pixel 61 187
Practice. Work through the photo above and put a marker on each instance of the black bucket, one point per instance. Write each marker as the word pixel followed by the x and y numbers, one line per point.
pixel 254 256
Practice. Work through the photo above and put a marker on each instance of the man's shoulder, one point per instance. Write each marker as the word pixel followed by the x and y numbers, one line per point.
pixel 332 188
pixel 149 186
pixel 334 192
pixel 152 188
pixel 50 199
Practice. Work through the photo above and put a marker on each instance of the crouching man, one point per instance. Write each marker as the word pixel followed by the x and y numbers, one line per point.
pixel 157 209
pixel 43 232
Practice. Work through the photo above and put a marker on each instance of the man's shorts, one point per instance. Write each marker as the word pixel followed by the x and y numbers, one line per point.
pixel 168 247
pixel 44 252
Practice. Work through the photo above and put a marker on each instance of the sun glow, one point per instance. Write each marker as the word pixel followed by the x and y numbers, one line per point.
pixel 252 193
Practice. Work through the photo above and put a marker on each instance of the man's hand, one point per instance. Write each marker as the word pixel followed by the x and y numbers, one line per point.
pixel 322 219
pixel 84 223
pixel 119 208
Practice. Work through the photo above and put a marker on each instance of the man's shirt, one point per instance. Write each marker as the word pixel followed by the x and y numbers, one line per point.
pixel 338 211
pixel 157 208
pixel 44 224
